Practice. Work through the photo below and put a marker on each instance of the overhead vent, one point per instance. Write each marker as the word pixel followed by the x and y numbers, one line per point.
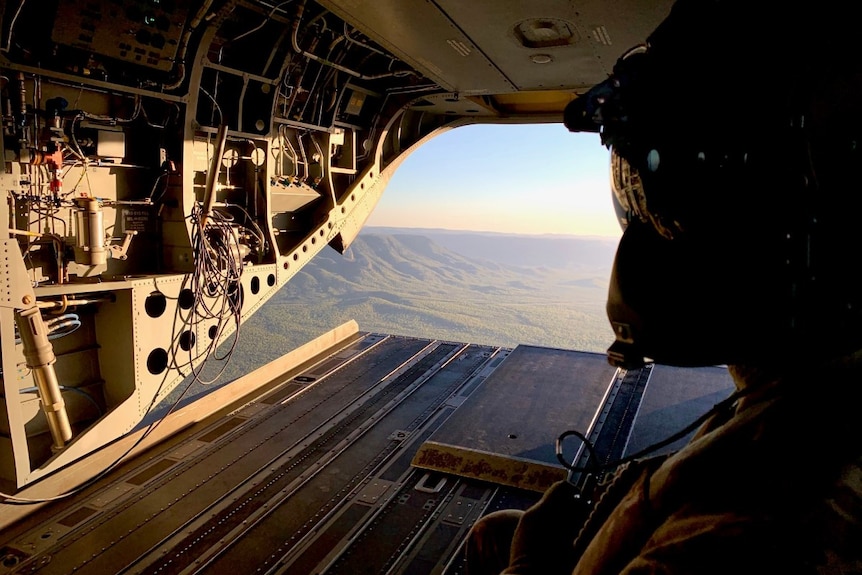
pixel 460 47
pixel 545 33
pixel 601 36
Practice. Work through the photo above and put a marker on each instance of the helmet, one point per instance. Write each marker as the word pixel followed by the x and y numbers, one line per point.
pixel 734 179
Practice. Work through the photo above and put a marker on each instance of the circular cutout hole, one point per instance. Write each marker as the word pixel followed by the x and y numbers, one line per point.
pixel 362 186
pixel 352 197
pixel 46 535
pixel 255 285
pixel 157 361
pixel 187 299
pixel 156 304
pixel 212 331
pixel 270 279
pixel 286 265
pixel 330 225
pixel 187 340
pixel 313 241
pixel 370 174
pixel 304 249
pixel 295 257
pixel 342 209
pixel 10 561
pixel 321 231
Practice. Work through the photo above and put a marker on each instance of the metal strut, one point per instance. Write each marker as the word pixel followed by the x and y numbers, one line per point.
pixel 39 355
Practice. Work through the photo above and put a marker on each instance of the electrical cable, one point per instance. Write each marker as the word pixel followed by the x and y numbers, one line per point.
pixel 155 186
pixel 77 149
pixel 261 238
pixel 558 448
pixel 183 45
pixel 323 61
pixel 215 104
pixel 114 119
pixel 352 40
pixel 262 24
pixel 215 283
pixel 12 26
pixel 76 390
pixel 62 326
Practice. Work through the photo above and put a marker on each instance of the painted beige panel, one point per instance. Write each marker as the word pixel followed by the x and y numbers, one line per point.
pixel 602 31
pixel 436 46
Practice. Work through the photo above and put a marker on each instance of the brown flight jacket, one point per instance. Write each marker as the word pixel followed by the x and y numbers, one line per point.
pixel 774 486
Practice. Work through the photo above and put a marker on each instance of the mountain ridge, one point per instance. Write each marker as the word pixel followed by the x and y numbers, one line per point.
pixel 522 250
pixel 408 284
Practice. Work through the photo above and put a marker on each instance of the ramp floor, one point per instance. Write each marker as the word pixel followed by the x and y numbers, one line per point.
pixel 328 470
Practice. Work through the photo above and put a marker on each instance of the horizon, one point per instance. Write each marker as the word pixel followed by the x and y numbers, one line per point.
pixel 370 228
pixel 521 179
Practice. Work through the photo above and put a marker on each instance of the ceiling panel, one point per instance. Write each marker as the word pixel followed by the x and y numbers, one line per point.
pixel 420 34
pixel 551 44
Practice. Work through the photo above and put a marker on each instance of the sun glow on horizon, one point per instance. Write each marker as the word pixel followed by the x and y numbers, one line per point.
pixel 521 179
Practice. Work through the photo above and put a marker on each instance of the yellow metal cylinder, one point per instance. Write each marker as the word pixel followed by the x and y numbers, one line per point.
pixel 91 248
pixel 39 355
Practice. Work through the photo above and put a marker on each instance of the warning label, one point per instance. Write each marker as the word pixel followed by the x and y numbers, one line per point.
pixel 137 220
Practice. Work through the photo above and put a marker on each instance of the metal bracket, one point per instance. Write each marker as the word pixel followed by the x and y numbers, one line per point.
pixel 16 291
pixel 118 251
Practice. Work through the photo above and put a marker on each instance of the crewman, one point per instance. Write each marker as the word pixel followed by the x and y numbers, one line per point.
pixel 736 138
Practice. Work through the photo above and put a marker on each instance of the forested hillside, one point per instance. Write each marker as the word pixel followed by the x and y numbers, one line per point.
pixel 408 284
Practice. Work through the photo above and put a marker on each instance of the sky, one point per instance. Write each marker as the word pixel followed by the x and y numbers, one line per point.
pixel 523 179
